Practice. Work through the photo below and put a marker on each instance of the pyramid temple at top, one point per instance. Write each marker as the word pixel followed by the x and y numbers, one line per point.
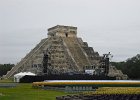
pixel 66 53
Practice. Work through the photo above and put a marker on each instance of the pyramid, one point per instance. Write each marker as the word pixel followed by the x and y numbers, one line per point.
pixel 68 53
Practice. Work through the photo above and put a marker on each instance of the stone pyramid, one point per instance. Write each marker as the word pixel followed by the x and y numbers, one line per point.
pixel 67 53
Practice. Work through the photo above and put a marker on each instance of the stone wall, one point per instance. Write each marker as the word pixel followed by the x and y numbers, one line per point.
pixel 62 31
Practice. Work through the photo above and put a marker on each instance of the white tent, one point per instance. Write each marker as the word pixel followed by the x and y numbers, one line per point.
pixel 18 76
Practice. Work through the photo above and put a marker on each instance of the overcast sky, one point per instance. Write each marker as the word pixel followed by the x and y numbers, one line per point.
pixel 107 25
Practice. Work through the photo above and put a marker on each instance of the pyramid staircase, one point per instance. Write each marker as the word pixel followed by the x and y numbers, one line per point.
pixel 68 53
pixel 77 52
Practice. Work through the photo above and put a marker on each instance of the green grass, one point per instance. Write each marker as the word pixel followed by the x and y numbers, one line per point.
pixel 26 92
pixel 6 81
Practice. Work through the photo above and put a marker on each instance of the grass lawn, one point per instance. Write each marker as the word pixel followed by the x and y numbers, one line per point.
pixel 26 92
pixel 6 81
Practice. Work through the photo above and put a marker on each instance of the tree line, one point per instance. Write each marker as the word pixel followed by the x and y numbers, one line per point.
pixel 4 68
pixel 131 67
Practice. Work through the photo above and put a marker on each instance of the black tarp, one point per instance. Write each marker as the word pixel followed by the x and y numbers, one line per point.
pixel 30 79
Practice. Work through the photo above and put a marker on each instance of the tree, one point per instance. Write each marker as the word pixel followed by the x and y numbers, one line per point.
pixel 4 68
pixel 131 67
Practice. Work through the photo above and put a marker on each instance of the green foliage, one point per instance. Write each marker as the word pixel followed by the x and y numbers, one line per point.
pixel 131 67
pixel 4 68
